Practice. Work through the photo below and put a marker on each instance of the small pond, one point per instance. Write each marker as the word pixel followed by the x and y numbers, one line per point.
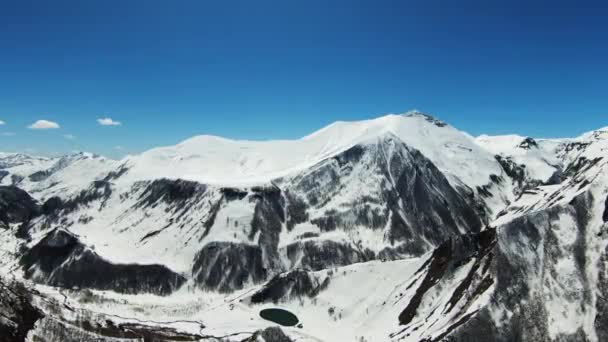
pixel 280 316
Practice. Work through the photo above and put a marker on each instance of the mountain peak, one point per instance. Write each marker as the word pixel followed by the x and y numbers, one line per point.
pixel 428 117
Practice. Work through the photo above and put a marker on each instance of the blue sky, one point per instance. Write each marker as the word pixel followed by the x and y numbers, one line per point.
pixel 168 70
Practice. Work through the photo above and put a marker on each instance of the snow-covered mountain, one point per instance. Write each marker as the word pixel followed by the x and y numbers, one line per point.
pixel 400 228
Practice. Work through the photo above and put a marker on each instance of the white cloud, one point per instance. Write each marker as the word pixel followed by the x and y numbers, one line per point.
pixel 8 134
pixel 44 124
pixel 69 136
pixel 119 148
pixel 2 123
pixel 108 122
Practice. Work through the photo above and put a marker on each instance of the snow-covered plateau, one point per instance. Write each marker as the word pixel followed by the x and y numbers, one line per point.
pixel 400 228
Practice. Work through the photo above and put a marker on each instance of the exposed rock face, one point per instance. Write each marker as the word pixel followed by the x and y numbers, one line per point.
pixel 16 206
pixel 404 191
pixel 3 174
pixel 60 259
pixel 23 318
pixel 517 174
pixel 49 329
pixel 292 284
pixel 176 192
pixel 40 175
pixel 16 179
pixel 319 255
pixel 605 215
pixel 601 305
pixel 543 271
pixel 274 334
pixel 558 264
pixel 18 315
pixel 446 259
pixel 227 266
pixel 528 143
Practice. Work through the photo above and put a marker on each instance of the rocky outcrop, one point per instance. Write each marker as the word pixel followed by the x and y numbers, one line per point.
pixel 443 264
pixel 528 143
pixel 18 315
pixel 605 215
pixel 293 284
pixel 60 259
pixel 40 175
pixel 175 192
pixel 226 266
pixel 521 180
pixel 315 255
pixel 544 271
pixel 28 315
pixel 274 334
pixel 3 174
pixel 16 206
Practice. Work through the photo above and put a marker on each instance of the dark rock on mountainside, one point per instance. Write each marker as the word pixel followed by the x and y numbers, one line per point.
pixel 3 173
pixel 528 143
pixel 429 118
pixel 267 223
pixel 60 259
pixel 513 170
pixel 170 191
pixel 233 194
pixel 556 178
pixel 16 179
pixel 580 165
pixel 16 206
pixel 605 215
pixel 296 210
pixel 179 195
pixel 23 316
pixel 445 260
pixel 114 175
pixel 98 191
pixel 292 284
pixel 410 192
pixel 601 319
pixel 273 334
pixel 109 331
pixel 318 255
pixel 521 181
pixel 40 175
pixel 226 266
pixel 538 254
pixel 18 315
pixel 52 206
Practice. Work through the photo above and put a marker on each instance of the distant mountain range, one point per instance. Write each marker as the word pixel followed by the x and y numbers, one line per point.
pixel 400 228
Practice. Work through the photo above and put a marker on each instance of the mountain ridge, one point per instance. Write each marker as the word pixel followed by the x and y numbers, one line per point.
pixel 446 237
